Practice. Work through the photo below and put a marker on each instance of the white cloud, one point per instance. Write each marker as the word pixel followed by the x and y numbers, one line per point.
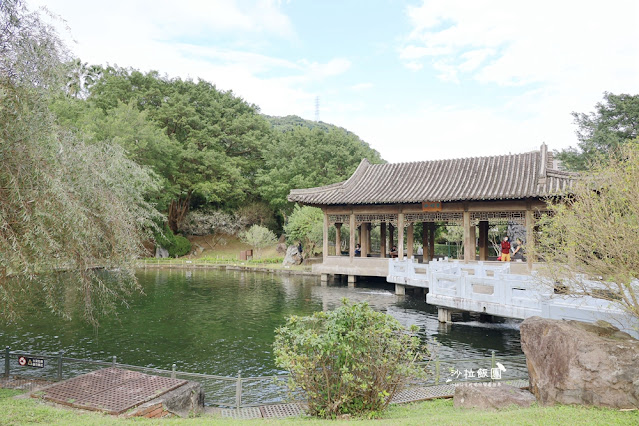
pixel 548 42
pixel 362 86
pixel 545 59
pixel 474 58
pixel 414 66
pixel 446 131
pixel 150 35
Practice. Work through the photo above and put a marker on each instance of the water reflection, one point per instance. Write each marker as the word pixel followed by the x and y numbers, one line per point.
pixel 220 322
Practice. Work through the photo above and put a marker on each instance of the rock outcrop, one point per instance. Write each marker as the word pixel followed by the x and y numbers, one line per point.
pixel 293 256
pixel 161 252
pixel 494 397
pixel 572 362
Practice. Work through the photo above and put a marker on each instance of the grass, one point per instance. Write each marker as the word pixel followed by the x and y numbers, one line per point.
pixel 440 412
pixel 227 253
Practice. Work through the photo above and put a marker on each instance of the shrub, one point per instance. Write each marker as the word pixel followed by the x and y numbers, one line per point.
pixel 176 245
pixel 306 224
pixel 352 360
pixel 258 237
pixel 181 247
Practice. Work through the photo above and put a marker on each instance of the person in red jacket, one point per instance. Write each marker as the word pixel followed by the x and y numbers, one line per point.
pixel 505 250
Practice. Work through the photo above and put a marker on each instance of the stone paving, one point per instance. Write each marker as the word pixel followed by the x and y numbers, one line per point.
pixel 414 394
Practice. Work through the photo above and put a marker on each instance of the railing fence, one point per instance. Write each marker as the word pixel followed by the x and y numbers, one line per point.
pixel 241 392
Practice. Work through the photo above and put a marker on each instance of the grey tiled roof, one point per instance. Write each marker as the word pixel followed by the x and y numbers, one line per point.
pixel 513 176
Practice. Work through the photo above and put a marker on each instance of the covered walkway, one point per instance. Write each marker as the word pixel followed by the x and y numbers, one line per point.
pixel 390 200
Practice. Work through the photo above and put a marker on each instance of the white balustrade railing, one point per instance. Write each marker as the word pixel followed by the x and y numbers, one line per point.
pixel 491 288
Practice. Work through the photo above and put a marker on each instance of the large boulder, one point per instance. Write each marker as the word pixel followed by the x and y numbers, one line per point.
pixel 492 397
pixel 161 252
pixel 293 256
pixel 572 362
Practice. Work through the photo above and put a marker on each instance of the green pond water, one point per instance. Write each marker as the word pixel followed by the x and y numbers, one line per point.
pixel 219 322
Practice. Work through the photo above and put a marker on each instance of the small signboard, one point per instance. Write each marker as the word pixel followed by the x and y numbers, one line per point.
pixel 27 361
pixel 431 206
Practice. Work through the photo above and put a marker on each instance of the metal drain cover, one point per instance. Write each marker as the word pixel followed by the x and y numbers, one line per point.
pixel 111 390
pixel 281 410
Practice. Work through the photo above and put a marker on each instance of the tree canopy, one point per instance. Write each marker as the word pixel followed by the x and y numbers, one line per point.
pixel 304 156
pixel 211 149
pixel 601 133
pixel 590 239
pixel 64 204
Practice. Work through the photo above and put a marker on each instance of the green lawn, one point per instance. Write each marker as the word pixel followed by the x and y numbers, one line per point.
pixel 441 412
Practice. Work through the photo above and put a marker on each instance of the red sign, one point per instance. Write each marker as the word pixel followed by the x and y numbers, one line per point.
pixel 26 361
pixel 432 206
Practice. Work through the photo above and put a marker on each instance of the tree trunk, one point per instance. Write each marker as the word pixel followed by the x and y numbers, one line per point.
pixel 177 210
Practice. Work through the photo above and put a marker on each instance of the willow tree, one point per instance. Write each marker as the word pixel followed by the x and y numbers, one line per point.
pixel 590 240
pixel 66 207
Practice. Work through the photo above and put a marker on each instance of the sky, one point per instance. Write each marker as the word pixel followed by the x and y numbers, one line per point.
pixel 417 80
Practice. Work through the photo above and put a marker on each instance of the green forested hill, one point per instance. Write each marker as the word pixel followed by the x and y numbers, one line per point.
pixel 209 148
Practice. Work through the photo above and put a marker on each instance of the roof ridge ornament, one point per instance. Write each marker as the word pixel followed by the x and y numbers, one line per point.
pixel 543 164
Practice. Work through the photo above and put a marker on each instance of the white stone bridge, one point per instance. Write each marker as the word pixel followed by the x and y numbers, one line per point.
pixel 491 288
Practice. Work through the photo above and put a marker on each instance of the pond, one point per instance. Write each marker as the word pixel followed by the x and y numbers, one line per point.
pixel 218 322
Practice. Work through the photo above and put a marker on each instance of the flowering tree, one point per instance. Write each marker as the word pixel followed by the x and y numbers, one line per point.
pixel 590 240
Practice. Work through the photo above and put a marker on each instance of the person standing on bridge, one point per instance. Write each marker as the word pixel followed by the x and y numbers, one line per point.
pixel 505 250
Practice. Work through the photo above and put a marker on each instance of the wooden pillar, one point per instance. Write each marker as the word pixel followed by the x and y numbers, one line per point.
pixel 468 243
pixel 369 227
pixel 359 236
pixel 425 243
pixel 325 245
pixel 391 235
pixel 483 240
pixel 431 240
pixel 382 243
pixel 364 239
pixel 530 238
pixel 351 242
pixel 409 240
pixel 338 239
pixel 473 238
pixel 400 236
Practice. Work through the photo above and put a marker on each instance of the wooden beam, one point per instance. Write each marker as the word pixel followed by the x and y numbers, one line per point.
pixel 473 206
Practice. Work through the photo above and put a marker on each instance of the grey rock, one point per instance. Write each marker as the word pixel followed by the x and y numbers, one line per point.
pixel 281 248
pixel 476 395
pixel 187 400
pixel 293 257
pixel 161 252
pixel 573 362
